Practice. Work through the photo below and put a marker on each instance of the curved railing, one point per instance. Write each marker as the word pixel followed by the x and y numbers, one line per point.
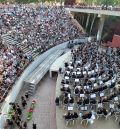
pixel 20 82
pixel 16 77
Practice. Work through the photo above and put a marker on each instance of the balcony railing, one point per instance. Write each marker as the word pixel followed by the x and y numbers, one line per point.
pixel 109 8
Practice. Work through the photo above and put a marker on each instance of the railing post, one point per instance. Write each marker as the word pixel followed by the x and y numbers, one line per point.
pixel 87 22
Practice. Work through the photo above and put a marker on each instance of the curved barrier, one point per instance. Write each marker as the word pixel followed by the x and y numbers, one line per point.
pixel 19 83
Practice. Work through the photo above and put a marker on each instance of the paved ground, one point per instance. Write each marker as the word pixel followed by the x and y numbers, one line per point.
pixel 45 112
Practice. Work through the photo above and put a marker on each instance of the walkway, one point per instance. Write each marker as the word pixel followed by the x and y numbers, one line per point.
pixel 44 114
pixel 45 111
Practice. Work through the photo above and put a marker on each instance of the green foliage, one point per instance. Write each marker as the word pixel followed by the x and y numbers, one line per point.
pixel 107 2
pixel 29 116
pixel 26 1
pixel 2 1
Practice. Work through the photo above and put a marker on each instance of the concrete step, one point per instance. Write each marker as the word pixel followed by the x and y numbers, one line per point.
pixel 35 55
pixel 29 52
pixel 8 39
pixel 31 88
pixel 26 49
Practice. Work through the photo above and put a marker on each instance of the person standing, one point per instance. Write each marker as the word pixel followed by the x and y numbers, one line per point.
pixel 26 95
pixel 19 110
pixel 24 103
pixel 22 98
pixel 25 125
pixel 11 124
pixel 34 126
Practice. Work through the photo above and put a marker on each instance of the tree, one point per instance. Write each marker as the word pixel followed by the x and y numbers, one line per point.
pixel 2 1
pixel 107 2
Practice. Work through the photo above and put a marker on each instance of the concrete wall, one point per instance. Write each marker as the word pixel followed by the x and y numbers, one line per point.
pixel 19 83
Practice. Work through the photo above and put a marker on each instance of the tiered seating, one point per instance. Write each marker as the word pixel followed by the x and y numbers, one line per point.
pixel 89 85
pixel 13 62
pixel 27 32
pixel 8 39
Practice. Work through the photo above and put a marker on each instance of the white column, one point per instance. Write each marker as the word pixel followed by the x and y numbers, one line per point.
pixel 73 14
pixel 87 22
pixel 50 73
pixel 100 28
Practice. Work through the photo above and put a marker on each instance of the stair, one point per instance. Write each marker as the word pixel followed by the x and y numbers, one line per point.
pixel 35 55
pixel 34 78
pixel 31 89
pixel 8 39
pixel 26 49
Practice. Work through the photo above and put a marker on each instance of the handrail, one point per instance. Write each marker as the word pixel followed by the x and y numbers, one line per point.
pixel 109 8
pixel 95 11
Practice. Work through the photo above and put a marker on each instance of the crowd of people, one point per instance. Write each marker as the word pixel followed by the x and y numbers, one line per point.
pixel 89 88
pixel 16 119
pixel 36 28
pixel 12 63
pixel 16 109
